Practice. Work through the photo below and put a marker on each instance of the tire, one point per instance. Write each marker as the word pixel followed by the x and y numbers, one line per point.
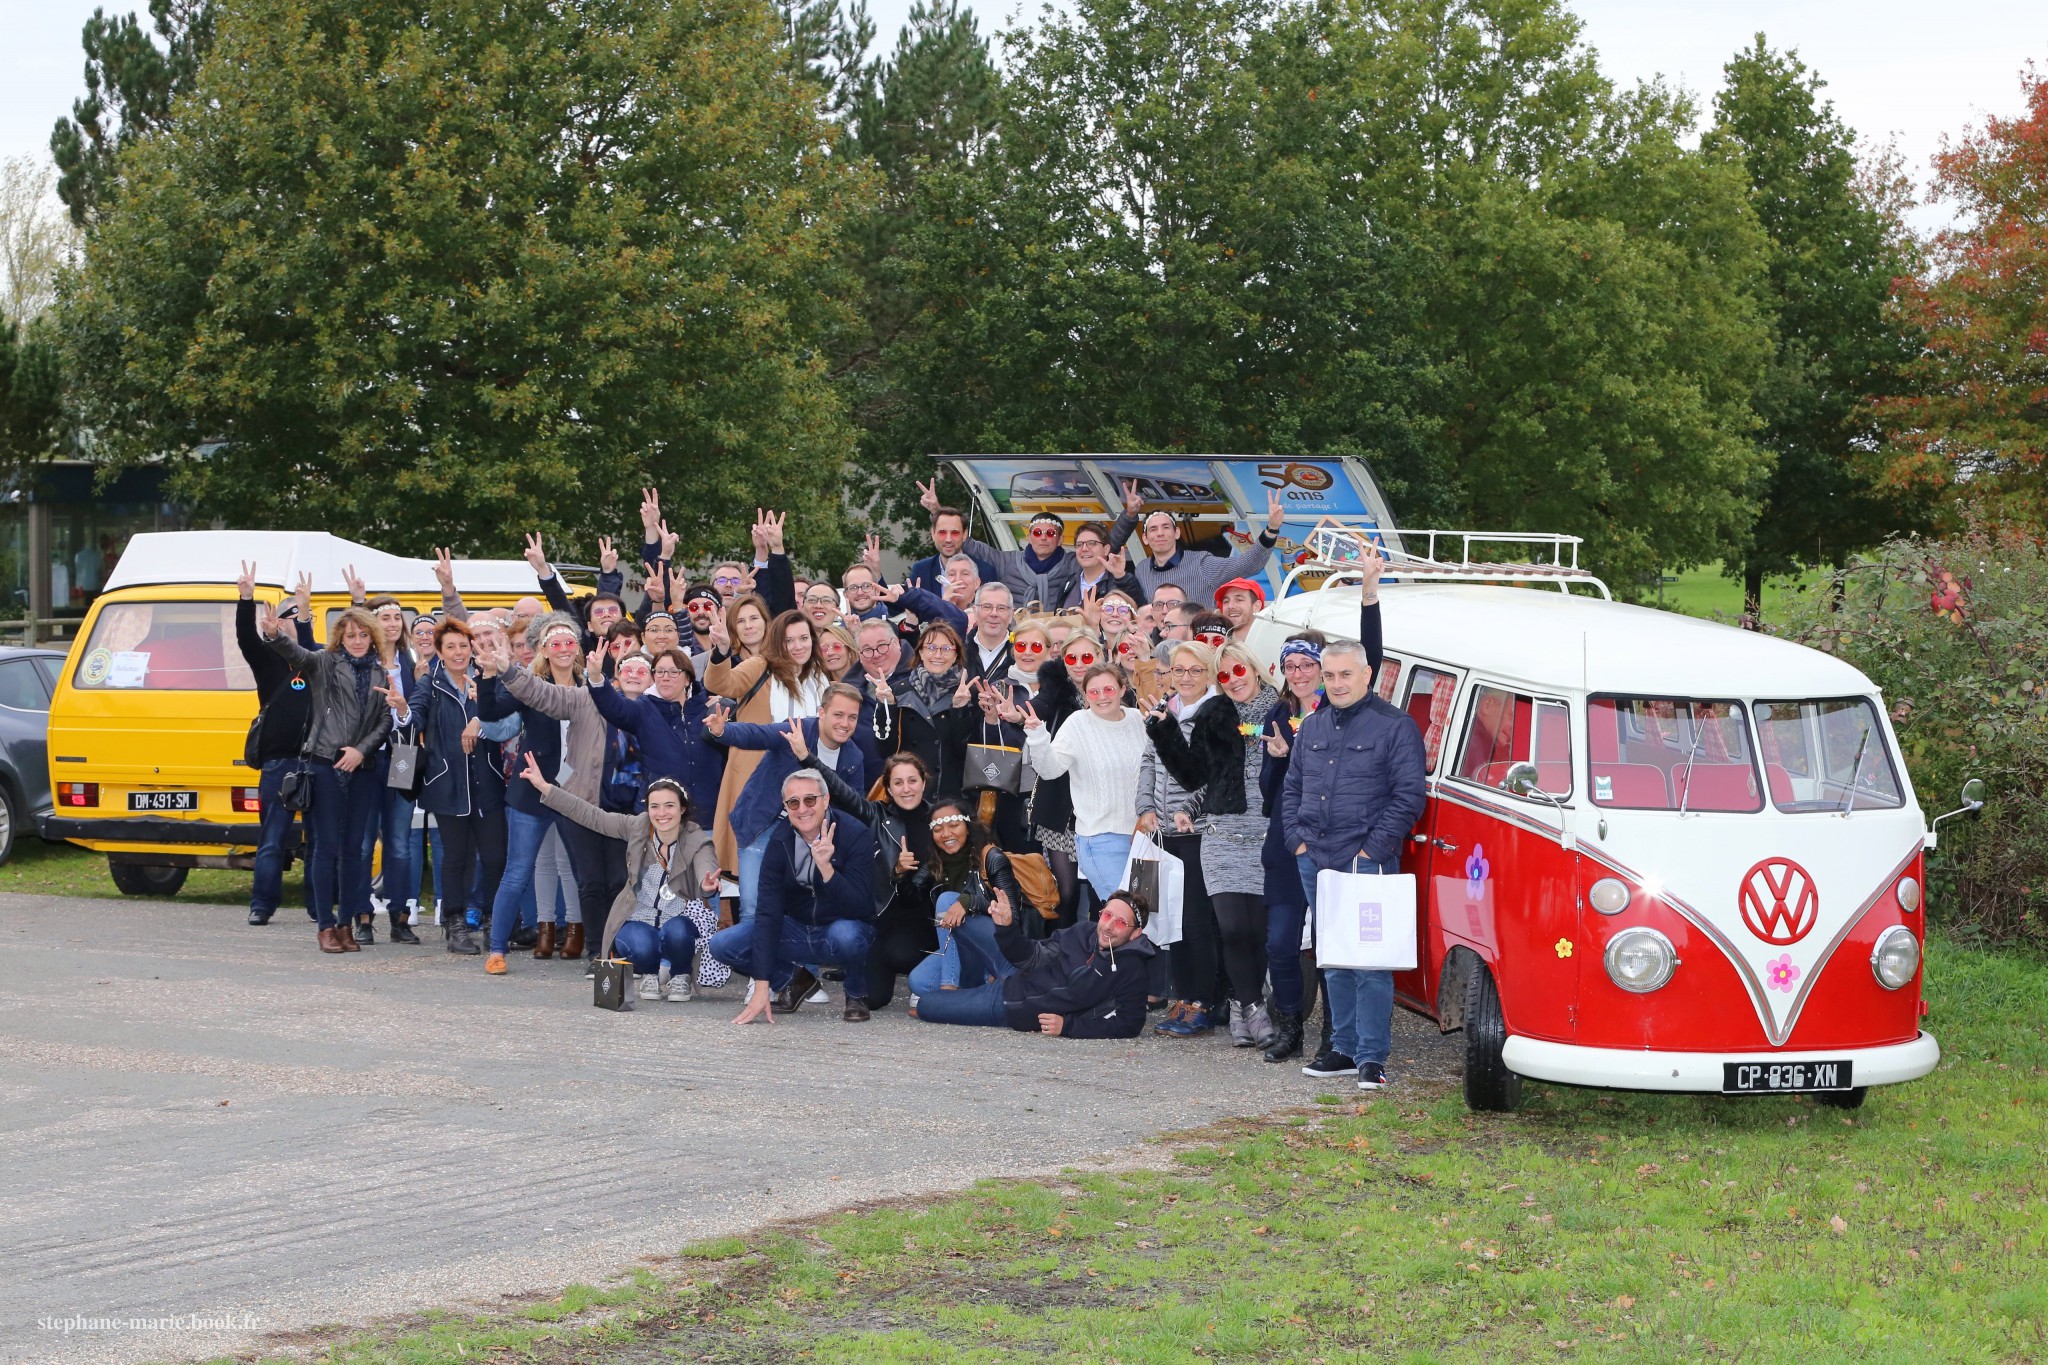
pixel 9 823
pixel 1843 1099
pixel 1489 1086
pixel 147 879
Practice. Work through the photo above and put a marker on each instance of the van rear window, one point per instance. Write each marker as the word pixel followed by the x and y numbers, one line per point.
pixel 163 647
pixel 1664 753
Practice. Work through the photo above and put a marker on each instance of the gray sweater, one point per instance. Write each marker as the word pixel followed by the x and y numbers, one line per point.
pixel 1198 575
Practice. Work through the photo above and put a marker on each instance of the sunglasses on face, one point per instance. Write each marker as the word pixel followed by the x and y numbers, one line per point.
pixel 1211 637
pixel 1126 647
pixel 1044 533
pixel 1028 646
pixel 1231 673
pixel 801 802
pixel 1082 659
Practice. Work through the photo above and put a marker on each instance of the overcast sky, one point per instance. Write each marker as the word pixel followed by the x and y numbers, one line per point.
pixel 1903 68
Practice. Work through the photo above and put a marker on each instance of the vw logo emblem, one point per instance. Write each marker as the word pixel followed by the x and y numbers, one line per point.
pixel 1779 901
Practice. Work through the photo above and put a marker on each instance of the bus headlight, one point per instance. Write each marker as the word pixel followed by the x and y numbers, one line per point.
pixel 1609 895
pixel 1640 960
pixel 1909 894
pixel 1896 957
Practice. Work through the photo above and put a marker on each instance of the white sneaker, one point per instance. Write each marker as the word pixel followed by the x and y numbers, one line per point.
pixel 379 906
pixel 650 988
pixel 673 987
pixel 437 912
pixel 412 914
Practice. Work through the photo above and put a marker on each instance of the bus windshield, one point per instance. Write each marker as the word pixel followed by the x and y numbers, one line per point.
pixel 1827 755
pixel 1665 753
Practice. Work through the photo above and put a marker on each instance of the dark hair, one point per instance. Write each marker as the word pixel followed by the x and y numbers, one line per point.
pixel 776 653
pixel 1101 529
pixel 674 655
pixel 1210 621
pixel 945 511
pixel 840 689
pixel 670 784
pixel 1105 667
pixel 904 758
pixel 944 629
pixel 1141 908
pixel 383 600
pixel 611 597
pixel 979 836
pixel 1312 637
pixel 625 628
pixel 732 624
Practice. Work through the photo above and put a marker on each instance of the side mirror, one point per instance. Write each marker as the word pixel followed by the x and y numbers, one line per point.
pixel 1521 780
pixel 1974 792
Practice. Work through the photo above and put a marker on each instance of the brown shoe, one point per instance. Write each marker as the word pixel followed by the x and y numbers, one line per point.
pixel 330 942
pixel 544 946
pixel 345 935
pixel 791 997
pixel 856 1010
pixel 572 943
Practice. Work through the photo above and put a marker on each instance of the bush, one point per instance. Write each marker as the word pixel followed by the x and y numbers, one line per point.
pixel 1955 632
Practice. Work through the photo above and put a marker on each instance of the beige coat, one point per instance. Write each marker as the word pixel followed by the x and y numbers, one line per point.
pixel 585 750
pixel 693 858
pixel 733 680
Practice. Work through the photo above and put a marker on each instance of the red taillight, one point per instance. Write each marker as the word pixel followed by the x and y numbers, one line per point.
pixel 78 793
pixel 246 800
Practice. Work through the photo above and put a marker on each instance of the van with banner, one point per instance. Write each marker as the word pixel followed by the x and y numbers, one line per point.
pixel 151 708
pixel 1658 853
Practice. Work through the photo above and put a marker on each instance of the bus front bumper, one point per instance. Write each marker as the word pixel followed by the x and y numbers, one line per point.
pixel 1615 1069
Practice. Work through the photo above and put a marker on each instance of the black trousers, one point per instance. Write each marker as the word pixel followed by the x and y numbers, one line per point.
pixel 464 840
pixel 591 856
pixel 1241 936
pixel 1197 963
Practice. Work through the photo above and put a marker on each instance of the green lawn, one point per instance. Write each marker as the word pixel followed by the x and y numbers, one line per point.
pixel 1588 1227
pixel 41 869
pixel 1705 591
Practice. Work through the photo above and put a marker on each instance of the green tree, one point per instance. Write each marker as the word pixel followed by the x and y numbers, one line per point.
pixel 1830 263
pixel 439 271
pixel 31 396
pixel 130 85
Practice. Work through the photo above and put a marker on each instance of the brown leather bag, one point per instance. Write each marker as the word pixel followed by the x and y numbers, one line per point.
pixel 1041 888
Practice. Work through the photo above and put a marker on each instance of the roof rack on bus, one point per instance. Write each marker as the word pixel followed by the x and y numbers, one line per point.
pixel 1337 543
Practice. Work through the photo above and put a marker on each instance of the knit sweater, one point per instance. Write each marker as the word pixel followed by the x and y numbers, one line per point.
pixel 1101 759
pixel 1196 573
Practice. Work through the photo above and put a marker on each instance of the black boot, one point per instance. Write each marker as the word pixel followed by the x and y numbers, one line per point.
pixel 1286 1037
pixel 365 935
pixel 401 931
pixel 459 939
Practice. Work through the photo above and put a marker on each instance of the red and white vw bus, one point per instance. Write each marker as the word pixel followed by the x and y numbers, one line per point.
pixel 1658 854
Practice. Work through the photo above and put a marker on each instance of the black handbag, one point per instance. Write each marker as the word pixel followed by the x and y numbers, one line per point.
pixel 295 788
pixel 994 767
pixel 408 770
pixel 611 984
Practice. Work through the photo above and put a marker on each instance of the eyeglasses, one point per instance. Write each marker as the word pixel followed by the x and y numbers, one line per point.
pixel 801 802
pixel 1301 663
pixel 1080 660
pixel 1234 671
pixel 668 672
pixel 1187 670
pixel 876 651
pixel 937 647
pixel 726 581
pixel 1028 646
pixel 820 599
pixel 1115 609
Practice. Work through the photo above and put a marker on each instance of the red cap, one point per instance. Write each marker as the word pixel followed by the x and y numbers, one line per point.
pixel 1247 584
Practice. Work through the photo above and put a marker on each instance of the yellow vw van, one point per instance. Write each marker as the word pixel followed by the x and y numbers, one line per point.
pixel 150 713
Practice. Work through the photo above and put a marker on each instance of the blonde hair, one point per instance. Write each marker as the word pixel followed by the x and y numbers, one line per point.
pixel 1204 655
pixel 1238 654
pixel 359 616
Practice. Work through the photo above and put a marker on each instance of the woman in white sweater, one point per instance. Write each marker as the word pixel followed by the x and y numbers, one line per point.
pixel 1100 750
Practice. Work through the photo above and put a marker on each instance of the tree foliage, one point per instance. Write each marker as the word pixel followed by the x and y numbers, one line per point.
pixel 130 85
pixel 31 395
pixel 443 270
pixel 1830 261
pixel 1971 421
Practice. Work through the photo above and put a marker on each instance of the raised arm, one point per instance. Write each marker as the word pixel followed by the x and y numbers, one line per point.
pixel 550 699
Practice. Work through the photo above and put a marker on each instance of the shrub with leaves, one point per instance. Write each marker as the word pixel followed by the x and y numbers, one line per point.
pixel 1956 634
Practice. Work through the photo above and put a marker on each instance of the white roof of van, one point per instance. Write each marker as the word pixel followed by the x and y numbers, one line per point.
pixel 281 556
pixel 1565 643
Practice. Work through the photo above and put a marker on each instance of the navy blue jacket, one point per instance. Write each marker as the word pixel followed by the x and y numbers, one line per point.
pixel 454 783
pixel 672 741
pixel 1354 783
pixel 849 895
pixel 1283 877
pixel 1099 994
pixel 760 801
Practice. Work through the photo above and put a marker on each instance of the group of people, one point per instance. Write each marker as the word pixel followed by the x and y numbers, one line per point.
pixel 938 780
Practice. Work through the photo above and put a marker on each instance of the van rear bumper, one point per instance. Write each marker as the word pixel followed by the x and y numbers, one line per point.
pixel 150 829
pixel 1616 1069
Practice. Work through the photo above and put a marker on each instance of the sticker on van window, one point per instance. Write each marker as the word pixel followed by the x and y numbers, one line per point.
pixel 93 672
pixel 129 668
pixel 1603 788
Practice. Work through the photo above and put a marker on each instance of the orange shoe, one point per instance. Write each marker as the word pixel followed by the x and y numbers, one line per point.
pixel 494 965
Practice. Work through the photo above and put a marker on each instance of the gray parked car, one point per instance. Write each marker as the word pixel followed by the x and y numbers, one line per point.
pixel 27 677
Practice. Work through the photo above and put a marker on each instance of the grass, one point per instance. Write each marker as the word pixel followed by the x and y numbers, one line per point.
pixel 1590 1226
pixel 40 869
pixel 1705 591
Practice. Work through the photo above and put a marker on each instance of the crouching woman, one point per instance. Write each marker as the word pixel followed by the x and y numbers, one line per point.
pixel 671 882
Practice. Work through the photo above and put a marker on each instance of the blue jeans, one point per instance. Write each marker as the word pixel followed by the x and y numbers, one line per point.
pixel 1102 858
pixel 1361 1002
pixel 842 943
pixel 980 960
pixel 751 855
pixel 523 836
pixel 981 1006
pixel 948 956
pixel 675 943
pixel 1283 955
pixel 344 805
pixel 273 839
pixel 401 871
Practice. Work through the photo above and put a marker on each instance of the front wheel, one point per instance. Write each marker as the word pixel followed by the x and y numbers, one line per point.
pixel 7 823
pixel 1844 1099
pixel 147 879
pixel 1489 1086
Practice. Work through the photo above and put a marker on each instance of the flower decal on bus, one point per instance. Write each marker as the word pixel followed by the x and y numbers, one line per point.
pixel 1781 973
pixel 1477 869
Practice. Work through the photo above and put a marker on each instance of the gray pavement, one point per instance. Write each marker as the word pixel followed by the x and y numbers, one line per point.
pixel 204 1118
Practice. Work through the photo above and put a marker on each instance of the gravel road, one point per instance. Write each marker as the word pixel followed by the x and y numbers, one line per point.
pixel 218 1138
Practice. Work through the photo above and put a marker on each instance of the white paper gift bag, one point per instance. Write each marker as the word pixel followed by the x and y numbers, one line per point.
pixel 1170 878
pixel 1365 920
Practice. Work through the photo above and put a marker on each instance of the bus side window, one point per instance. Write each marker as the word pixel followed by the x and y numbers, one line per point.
pixel 1507 728
pixel 1429 705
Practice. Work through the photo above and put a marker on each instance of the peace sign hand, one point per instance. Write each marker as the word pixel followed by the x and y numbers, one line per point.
pixel 650 511
pixel 353 582
pixel 444 568
pixel 246 583
pixel 1275 512
pixel 593 667
pixel 871 555
pixel 396 698
pixel 1371 564
pixel 1134 501
pixel 537 556
pixel 607 557
pixel 928 494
